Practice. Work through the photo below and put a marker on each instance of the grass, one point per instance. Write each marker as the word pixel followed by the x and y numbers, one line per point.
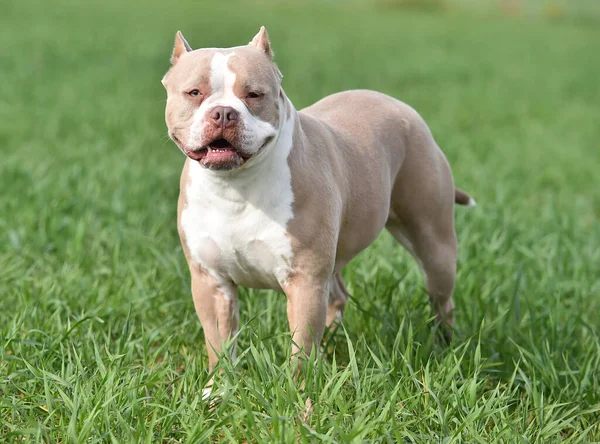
pixel 577 11
pixel 99 341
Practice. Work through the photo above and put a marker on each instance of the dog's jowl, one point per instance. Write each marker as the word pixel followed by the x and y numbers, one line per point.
pixel 272 197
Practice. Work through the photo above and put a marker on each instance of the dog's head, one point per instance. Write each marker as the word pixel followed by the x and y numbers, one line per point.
pixel 223 105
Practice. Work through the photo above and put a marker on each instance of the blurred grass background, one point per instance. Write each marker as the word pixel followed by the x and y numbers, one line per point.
pixel 578 11
pixel 99 339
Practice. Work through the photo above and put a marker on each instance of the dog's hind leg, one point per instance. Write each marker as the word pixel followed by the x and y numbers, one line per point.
pixel 338 296
pixel 436 256
pixel 422 219
pixel 438 264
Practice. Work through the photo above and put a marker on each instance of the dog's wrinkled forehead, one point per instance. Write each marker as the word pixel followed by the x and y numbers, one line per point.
pixel 190 70
pixel 253 69
pixel 209 68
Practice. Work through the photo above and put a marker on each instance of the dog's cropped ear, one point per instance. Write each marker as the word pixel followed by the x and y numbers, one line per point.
pixel 181 47
pixel 261 41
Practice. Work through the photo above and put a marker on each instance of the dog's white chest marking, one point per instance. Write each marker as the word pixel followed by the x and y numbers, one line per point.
pixel 235 224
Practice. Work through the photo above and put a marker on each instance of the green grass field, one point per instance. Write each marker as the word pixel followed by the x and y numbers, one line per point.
pixel 99 341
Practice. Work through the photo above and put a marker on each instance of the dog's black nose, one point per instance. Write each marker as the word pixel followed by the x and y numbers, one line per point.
pixel 223 115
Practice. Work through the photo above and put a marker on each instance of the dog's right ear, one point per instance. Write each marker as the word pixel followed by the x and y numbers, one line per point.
pixel 181 47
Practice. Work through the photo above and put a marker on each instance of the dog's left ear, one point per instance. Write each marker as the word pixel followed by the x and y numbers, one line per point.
pixel 181 47
pixel 261 42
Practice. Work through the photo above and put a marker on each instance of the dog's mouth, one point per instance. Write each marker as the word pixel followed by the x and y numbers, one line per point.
pixel 219 154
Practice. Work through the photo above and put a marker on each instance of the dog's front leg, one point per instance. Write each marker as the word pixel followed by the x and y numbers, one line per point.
pixel 307 312
pixel 216 304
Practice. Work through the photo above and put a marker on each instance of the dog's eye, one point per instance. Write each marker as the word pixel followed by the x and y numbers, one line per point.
pixel 253 95
pixel 194 93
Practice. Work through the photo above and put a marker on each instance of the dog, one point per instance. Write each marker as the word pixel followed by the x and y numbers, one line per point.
pixel 275 198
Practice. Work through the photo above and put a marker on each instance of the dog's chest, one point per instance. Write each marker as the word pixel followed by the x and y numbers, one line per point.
pixel 237 229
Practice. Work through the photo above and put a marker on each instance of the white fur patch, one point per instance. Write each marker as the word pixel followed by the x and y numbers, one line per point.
pixel 471 203
pixel 235 222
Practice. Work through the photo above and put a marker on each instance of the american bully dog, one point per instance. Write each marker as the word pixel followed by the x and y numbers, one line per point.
pixel 276 198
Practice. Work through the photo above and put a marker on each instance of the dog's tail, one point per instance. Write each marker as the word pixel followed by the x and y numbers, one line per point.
pixel 462 198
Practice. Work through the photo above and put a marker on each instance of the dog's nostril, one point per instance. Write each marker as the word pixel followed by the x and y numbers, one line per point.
pixel 231 114
pixel 216 113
